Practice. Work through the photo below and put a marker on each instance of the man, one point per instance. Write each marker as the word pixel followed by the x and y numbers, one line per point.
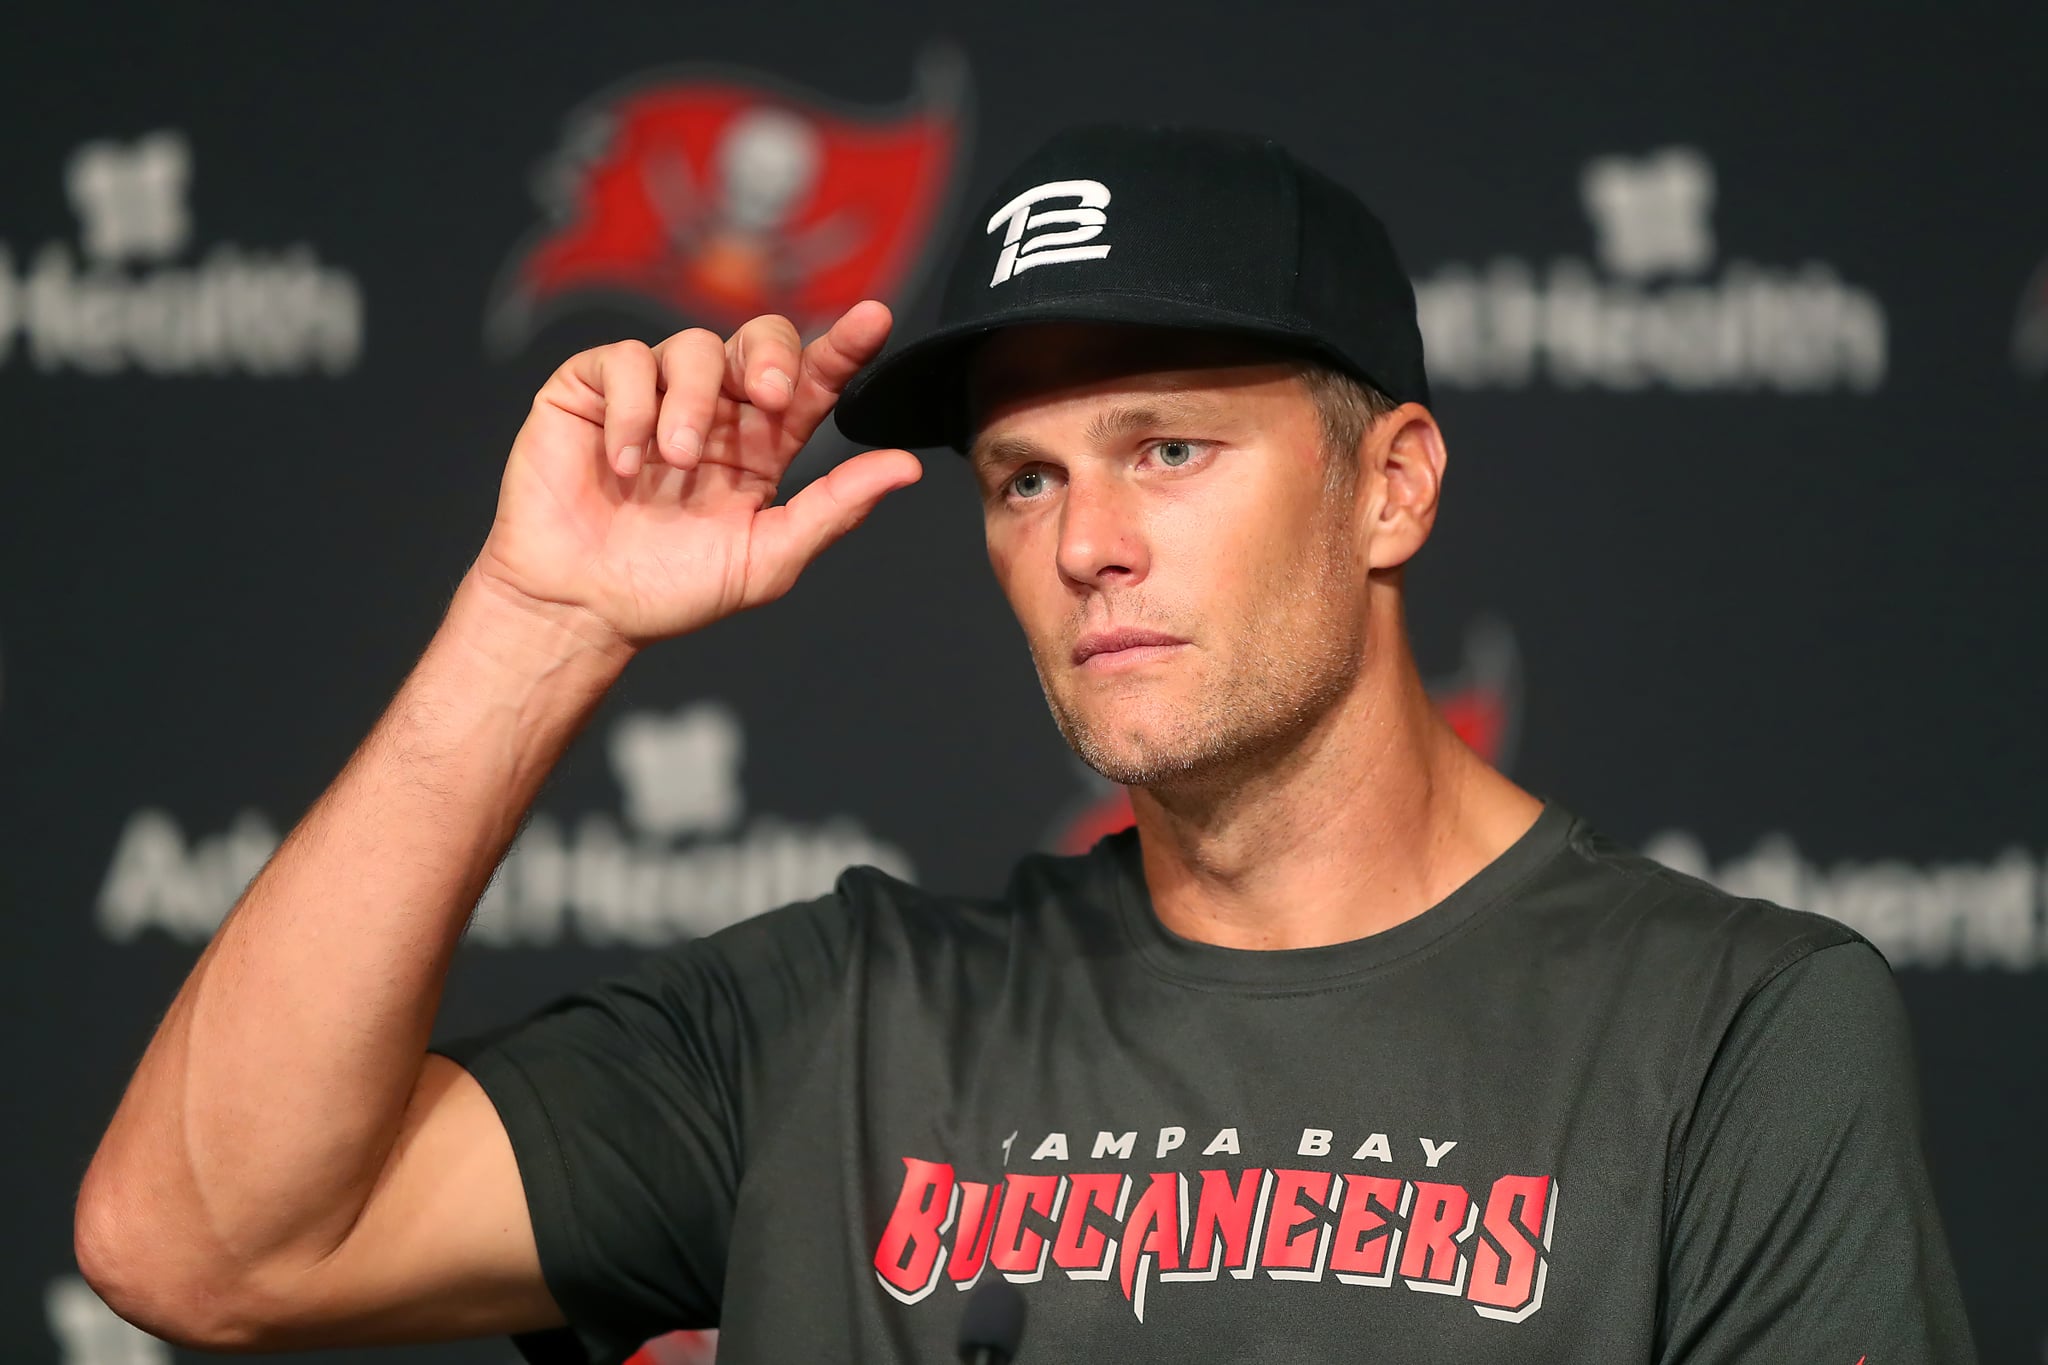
pixel 1353 1050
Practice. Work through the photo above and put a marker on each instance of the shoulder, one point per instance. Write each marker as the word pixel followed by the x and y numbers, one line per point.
pixel 1835 1005
pixel 1599 892
pixel 1649 963
pixel 1041 889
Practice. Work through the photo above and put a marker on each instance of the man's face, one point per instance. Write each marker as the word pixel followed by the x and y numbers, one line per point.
pixel 1182 553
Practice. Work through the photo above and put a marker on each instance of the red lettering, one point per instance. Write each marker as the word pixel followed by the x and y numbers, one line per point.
pixel 1081 1249
pixel 977 1228
pixel 907 1257
pixel 1019 1250
pixel 1442 1218
pixel 1508 1283
pixel 1151 1237
pixel 1294 1231
pixel 1223 1218
pixel 1367 1240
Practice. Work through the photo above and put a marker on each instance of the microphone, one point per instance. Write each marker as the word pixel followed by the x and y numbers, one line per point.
pixel 992 1325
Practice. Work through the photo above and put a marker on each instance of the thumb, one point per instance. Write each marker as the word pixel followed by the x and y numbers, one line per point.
pixel 787 538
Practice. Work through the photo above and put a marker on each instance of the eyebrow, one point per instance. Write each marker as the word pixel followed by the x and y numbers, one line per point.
pixel 1125 421
pixel 1002 450
pixel 1115 424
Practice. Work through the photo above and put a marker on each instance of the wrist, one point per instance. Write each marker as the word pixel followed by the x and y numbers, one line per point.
pixel 528 637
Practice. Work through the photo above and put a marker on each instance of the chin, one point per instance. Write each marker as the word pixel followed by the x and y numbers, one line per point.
pixel 1129 725
pixel 1137 747
pixel 1146 767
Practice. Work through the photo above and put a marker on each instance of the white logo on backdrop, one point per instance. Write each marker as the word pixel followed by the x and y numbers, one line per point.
pixel 684 862
pixel 1966 914
pixel 89 1333
pixel 681 773
pixel 1083 221
pixel 120 300
pixel 1651 214
pixel 130 201
pixel 1650 311
pixel 2030 326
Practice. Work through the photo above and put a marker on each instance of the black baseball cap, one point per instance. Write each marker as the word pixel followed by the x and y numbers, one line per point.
pixel 1167 227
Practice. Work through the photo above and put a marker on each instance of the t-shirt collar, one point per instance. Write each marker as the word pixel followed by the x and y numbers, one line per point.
pixel 1299 969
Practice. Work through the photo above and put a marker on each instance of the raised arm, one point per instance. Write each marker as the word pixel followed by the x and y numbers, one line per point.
pixel 288 1167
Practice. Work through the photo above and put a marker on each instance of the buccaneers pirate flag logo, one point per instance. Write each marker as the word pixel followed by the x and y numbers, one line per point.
pixel 715 196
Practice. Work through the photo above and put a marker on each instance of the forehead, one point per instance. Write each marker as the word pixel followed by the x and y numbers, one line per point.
pixel 1026 367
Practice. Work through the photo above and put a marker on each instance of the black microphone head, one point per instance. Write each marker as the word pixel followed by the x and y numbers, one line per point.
pixel 992 1326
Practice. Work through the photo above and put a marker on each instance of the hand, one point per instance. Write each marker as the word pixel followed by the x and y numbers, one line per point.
pixel 638 490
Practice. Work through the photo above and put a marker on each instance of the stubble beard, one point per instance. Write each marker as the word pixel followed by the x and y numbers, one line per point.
pixel 1297 652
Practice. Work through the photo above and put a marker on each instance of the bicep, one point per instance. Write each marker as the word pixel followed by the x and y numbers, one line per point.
pixel 581 1167
pixel 444 1247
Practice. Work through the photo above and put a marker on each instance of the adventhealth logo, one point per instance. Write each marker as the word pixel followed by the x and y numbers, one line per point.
pixel 1653 308
pixel 1971 914
pixel 1082 220
pixel 682 857
pixel 140 291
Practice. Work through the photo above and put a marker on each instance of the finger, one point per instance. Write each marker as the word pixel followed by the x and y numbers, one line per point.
pixel 692 368
pixel 789 537
pixel 761 362
pixel 832 360
pixel 625 375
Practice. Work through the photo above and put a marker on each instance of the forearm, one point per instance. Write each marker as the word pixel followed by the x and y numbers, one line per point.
pixel 264 1107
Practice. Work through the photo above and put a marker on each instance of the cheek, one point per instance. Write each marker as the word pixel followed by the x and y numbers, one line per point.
pixel 1258 569
pixel 1224 547
pixel 1013 559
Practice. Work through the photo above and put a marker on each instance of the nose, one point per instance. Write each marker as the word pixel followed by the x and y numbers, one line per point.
pixel 1102 540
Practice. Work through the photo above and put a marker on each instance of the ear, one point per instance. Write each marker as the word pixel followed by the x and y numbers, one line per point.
pixel 1406 448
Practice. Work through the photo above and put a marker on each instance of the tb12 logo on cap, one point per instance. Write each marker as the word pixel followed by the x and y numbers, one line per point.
pixel 1085 218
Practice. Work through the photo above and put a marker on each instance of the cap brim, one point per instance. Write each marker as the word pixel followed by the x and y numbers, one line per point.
pixel 916 395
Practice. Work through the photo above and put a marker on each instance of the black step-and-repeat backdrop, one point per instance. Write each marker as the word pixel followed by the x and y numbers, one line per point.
pixel 1738 323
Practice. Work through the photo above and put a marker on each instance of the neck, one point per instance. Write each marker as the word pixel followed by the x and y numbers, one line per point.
pixel 1377 813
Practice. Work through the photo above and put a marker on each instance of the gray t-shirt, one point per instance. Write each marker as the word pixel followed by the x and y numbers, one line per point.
pixel 1585 1109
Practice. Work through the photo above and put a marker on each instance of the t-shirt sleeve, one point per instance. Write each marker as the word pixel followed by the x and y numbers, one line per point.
pixel 1803 1223
pixel 628 1105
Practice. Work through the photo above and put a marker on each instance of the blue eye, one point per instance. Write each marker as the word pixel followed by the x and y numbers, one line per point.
pixel 1174 454
pixel 1028 484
